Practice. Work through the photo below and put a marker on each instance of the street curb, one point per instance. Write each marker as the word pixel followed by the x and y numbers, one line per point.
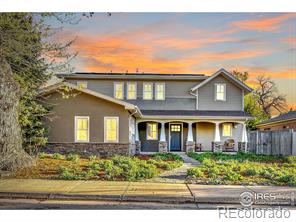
pixel 159 199
pixel 58 196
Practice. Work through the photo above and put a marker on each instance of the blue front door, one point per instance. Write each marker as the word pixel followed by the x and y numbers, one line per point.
pixel 176 137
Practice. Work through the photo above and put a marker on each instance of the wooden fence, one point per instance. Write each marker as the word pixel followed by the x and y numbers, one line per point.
pixel 279 142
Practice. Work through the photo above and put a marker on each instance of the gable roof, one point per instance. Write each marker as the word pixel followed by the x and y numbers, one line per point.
pixel 229 76
pixel 52 88
pixel 291 115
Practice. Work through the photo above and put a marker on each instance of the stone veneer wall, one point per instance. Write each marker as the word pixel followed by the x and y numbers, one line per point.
pixel 87 149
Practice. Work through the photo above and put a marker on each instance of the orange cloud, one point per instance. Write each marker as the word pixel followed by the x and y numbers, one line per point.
pixel 119 54
pixel 268 24
pixel 284 72
pixel 180 44
pixel 291 40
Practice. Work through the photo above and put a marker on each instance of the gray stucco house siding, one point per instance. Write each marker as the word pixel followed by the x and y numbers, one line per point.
pixel 176 93
pixel 206 96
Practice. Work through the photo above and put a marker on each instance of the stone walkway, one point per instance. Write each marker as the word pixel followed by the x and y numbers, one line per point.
pixel 177 175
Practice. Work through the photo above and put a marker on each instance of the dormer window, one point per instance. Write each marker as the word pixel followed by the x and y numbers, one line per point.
pixel 118 90
pixel 82 84
pixel 220 92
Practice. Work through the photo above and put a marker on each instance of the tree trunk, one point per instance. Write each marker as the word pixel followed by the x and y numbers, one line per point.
pixel 12 155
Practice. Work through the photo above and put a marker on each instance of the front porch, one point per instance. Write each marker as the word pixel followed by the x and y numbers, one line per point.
pixel 185 136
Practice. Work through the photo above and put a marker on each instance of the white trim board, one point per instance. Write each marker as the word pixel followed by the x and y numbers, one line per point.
pixel 228 75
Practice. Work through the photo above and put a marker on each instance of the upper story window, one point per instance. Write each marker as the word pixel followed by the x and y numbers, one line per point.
pixel 81 129
pixel 131 90
pixel 148 91
pixel 111 129
pixel 118 90
pixel 220 91
pixel 159 91
pixel 227 129
pixel 82 84
pixel 152 131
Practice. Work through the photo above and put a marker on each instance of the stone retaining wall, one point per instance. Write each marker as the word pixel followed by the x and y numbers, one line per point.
pixel 87 149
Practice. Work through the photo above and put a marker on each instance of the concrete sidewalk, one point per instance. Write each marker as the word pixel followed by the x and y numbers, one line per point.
pixel 131 191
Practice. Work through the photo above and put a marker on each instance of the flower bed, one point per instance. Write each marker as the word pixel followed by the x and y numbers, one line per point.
pixel 246 169
pixel 72 167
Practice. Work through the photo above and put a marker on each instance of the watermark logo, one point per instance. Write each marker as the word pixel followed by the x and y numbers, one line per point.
pixel 246 199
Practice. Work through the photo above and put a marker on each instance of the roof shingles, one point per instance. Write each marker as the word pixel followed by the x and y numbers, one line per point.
pixel 282 117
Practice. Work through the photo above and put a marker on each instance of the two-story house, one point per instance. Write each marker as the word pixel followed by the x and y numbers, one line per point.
pixel 114 113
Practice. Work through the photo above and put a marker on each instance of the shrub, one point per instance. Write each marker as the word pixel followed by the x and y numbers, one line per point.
pixel 195 172
pixel 209 163
pixel 73 157
pixel 286 178
pixel 233 176
pixel 167 165
pixel 167 156
pixel 42 155
pixel 291 159
pixel 72 172
pixel 93 158
pixel 250 172
pixel 127 168
pixel 57 156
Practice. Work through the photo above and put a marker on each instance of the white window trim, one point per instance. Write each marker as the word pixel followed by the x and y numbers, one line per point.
pixel 114 90
pixel 136 92
pixel 146 83
pixel 75 129
pixel 231 126
pixel 224 98
pixel 156 131
pixel 105 131
pixel 79 82
pixel 159 83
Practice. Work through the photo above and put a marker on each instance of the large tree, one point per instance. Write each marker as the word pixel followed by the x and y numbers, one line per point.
pixel 28 58
pixel 263 101
pixel 268 96
pixel 242 76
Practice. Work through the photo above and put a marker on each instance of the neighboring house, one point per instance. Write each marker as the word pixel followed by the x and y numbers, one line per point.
pixel 116 113
pixel 283 121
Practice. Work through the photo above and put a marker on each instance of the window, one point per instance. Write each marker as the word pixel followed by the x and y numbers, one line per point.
pixel 148 91
pixel 220 90
pixel 227 129
pixel 111 129
pixel 131 90
pixel 159 91
pixel 81 129
pixel 82 84
pixel 118 90
pixel 175 128
pixel 152 131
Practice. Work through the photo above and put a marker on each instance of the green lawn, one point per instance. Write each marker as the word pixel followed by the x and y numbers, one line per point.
pixel 243 168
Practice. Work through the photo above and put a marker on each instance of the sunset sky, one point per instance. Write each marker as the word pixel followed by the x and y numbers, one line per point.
pixel 260 43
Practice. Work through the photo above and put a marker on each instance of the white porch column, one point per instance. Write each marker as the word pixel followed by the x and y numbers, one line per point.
pixel 244 134
pixel 217 132
pixel 137 132
pixel 190 134
pixel 162 132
